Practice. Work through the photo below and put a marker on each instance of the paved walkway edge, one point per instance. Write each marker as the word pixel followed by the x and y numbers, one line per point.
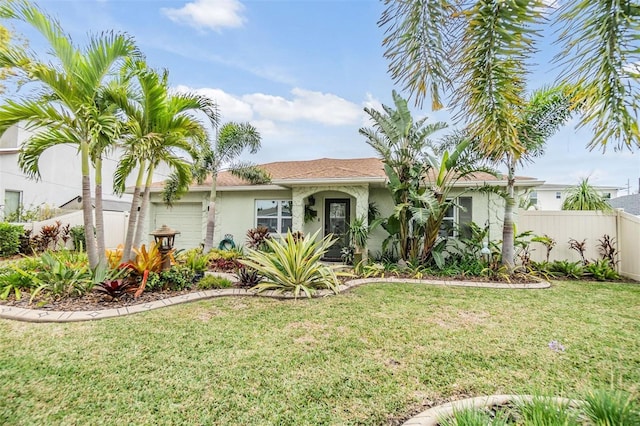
pixel 35 315
pixel 432 416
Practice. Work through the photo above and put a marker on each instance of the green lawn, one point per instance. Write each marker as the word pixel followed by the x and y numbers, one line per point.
pixel 363 357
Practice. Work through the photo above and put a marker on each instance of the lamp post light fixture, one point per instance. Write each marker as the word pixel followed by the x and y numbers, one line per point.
pixel 485 252
pixel 165 237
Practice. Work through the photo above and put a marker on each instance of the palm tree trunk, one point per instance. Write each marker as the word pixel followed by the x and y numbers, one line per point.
pixel 127 253
pixel 99 214
pixel 508 250
pixel 142 215
pixel 211 214
pixel 87 208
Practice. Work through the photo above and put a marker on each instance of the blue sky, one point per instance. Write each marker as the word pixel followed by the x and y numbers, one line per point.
pixel 300 71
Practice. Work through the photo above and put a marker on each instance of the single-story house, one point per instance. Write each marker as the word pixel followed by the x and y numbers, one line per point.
pixel 332 192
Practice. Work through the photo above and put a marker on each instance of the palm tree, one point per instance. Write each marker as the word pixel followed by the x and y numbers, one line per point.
pixel 479 52
pixel 68 112
pixel 232 140
pixel 585 197
pixel 159 126
pixel 420 181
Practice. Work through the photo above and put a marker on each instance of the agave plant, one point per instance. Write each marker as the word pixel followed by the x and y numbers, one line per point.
pixel 294 265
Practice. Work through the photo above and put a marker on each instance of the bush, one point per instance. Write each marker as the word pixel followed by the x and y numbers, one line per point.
pixel 78 238
pixel 209 282
pixel 248 277
pixel 10 239
pixel 294 265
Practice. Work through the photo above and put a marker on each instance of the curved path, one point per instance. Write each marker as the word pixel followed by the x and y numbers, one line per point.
pixel 35 315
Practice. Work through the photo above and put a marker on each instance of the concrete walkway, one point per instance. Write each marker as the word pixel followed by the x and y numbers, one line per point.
pixel 35 315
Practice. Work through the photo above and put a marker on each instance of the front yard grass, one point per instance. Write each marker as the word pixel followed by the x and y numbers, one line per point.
pixel 368 356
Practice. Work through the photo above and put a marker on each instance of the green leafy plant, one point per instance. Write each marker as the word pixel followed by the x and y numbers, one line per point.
pixel 12 281
pixel 78 238
pixel 212 282
pixel 10 239
pixel 60 277
pixel 601 270
pixel 606 408
pixel 474 417
pixel 567 269
pixel 543 411
pixel 358 233
pixel 195 260
pixel 548 242
pixel 177 278
pixel 294 265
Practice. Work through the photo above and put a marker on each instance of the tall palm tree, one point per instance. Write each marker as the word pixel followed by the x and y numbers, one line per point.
pixel 67 111
pixel 585 197
pixel 231 141
pixel 479 53
pixel 159 127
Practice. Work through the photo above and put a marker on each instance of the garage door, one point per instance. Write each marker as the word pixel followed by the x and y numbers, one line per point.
pixel 183 217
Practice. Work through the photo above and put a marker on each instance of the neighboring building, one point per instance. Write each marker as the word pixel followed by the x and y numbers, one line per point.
pixel 550 196
pixel 338 190
pixel 60 171
pixel 629 203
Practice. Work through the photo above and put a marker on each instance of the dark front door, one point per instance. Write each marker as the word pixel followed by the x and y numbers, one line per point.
pixel 336 222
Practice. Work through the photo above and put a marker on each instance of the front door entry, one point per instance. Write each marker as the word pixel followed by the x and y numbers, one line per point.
pixel 336 222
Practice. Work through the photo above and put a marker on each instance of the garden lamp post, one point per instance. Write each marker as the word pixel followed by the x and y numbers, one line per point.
pixel 485 252
pixel 164 237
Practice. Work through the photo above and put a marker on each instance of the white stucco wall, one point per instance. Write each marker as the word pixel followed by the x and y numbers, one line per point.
pixel 60 170
pixel 547 195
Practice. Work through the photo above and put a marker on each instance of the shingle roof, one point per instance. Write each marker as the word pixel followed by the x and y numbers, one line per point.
pixel 371 169
pixel 630 203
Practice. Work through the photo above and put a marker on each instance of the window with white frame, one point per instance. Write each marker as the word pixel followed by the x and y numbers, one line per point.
pixel 12 202
pixel 558 195
pixel 275 215
pixel 457 218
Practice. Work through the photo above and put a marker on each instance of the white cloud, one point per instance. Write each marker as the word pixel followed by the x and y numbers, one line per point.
pixel 269 112
pixel 325 108
pixel 208 14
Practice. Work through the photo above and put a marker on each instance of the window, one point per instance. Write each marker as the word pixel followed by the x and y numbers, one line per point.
pixel 558 195
pixel 274 214
pixel 607 196
pixel 533 198
pixel 457 219
pixel 12 202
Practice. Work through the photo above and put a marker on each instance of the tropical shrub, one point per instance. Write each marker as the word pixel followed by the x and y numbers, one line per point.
pixel 177 278
pixel 224 260
pixel 257 236
pixel 114 257
pixel 580 247
pixel 248 277
pixel 607 249
pixel 146 261
pixel 116 288
pixel 78 238
pixel 195 260
pixel 10 239
pixel 601 270
pixel 60 276
pixel 294 265
pixel 209 282
pixel 12 281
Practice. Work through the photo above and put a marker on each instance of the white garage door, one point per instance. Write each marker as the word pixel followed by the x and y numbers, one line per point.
pixel 183 217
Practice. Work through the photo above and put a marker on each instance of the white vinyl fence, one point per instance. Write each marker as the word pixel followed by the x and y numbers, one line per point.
pixel 115 225
pixel 585 225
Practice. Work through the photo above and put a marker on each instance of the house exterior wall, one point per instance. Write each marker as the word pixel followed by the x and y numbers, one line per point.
pixel 60 170
pixel 547 196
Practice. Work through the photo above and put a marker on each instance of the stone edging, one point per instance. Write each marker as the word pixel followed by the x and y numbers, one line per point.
pixel 35 315
pixel 431 416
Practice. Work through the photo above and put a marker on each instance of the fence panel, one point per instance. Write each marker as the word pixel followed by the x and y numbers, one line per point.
pixel 589 226
pixel 629 244
pixel 115 224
